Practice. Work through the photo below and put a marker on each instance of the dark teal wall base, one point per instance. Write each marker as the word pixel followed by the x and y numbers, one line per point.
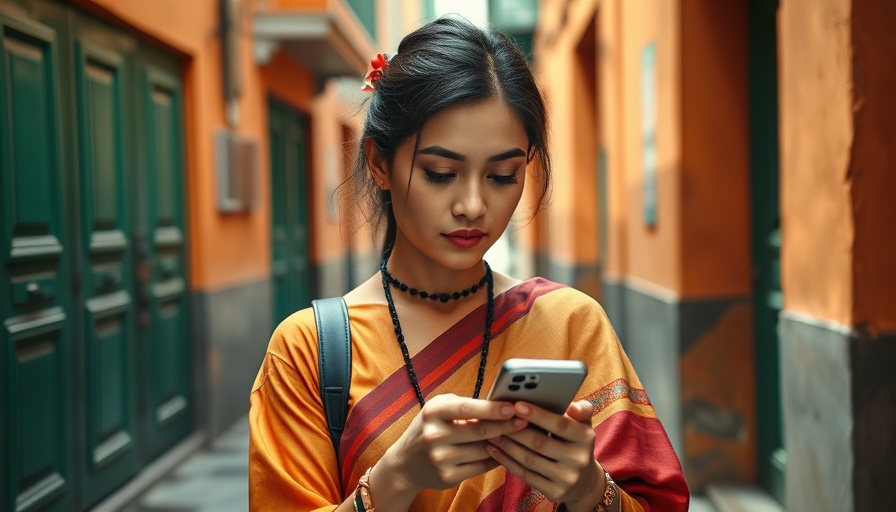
pixel 560 273
pixel 838 398
pixel 613 293
pixel 874 409
pixel 656 333
pixel 651 341
pixel 231 330
pixel 585 278
pixel 230 336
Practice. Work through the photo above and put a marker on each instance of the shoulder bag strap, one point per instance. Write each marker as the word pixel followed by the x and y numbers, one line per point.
pixel 335 361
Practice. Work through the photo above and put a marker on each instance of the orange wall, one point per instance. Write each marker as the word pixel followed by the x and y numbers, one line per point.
pixel 650 256
pixel 715 173
pixel 287 81
pixel 611 97
pixel 838 152
pixel 873 160
pixel 816 134
pixel 333 114
pixel 654 254
pixel 184 26
pixel 571 218
pixel 700 246
pixel 584 143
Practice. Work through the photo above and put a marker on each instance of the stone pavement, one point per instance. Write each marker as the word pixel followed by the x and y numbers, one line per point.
pixel 215 479
pixel 212 479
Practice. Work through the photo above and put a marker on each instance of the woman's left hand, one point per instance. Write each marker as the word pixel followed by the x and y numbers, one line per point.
pixel 559 462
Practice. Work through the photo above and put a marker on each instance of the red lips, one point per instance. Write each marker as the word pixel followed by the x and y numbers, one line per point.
pixel 464 238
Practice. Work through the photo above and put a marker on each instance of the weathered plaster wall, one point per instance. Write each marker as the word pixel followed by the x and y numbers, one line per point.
pixel 873 157
pixel 653 253
pixel 816 135
pixel 715 166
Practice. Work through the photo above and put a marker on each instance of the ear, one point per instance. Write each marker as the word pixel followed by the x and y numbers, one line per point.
pixel 376 163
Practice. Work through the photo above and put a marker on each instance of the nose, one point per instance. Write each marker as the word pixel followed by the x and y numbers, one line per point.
pixel 470 203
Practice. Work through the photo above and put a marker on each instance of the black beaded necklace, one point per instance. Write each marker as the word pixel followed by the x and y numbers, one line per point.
pixel 486 337
pixel 444 297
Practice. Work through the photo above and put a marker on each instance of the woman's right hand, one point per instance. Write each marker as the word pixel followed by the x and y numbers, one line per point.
pixel 445 444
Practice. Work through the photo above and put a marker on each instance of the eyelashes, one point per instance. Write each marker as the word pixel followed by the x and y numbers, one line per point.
pixel 444 177
pixel 504 179
pixel 437 177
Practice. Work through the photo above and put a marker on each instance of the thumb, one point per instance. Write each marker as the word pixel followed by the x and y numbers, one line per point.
pixel 581 411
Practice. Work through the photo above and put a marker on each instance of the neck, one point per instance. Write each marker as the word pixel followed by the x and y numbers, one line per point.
pixel 425 274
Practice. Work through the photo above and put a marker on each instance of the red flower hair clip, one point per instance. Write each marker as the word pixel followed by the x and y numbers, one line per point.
pixel 378 63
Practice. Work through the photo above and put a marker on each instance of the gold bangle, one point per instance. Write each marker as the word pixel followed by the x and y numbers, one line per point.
pixel 363 491
pixel 609 495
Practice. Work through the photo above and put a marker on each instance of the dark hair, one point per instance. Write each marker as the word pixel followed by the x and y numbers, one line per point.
pixel 446 63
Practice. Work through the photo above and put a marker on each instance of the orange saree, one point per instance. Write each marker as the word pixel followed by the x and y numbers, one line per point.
pixel 292 464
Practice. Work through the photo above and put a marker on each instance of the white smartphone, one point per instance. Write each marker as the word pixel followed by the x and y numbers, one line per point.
pixel 551 384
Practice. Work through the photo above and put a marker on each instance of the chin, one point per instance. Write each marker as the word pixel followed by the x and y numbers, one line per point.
pixel 461 261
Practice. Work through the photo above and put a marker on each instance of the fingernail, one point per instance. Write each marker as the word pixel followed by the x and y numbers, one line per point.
pixel 507 410
pixel 523 409
pixel 519 423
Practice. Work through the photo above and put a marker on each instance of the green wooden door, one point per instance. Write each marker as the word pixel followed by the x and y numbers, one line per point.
pixel 768 299
pixel 289 215
pixel 109 444
pixel 36 304
pixel 163 315
pixel 92 249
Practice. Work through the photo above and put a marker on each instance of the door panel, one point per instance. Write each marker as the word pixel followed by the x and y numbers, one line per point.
pixel 164 336
pixel 278 213
pixel 36 334
pixel 105 263
pixel 296 162
pixel 38 435
pixel 289 218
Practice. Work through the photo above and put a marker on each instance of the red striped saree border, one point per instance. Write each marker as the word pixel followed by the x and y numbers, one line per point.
pixel 632 448
pixel 389 401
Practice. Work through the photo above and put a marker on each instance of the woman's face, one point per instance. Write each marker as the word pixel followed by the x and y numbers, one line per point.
pixel 468 177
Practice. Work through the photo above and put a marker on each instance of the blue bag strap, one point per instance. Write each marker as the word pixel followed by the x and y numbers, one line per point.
pixel 335 361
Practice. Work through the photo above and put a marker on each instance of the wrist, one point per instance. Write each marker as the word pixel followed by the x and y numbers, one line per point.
pixel 363 496
pixel 610 495
pixel 389 489
pixel 602 498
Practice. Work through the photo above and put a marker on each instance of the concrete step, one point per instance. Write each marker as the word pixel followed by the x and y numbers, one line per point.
pixel 731 498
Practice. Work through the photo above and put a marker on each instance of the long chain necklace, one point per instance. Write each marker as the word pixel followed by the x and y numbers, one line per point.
pixel 486 336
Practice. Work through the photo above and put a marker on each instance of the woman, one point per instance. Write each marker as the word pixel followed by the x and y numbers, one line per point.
pixel 455 120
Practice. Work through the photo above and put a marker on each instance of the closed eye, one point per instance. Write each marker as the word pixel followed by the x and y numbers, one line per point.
pixel 437 177
pixel 504 179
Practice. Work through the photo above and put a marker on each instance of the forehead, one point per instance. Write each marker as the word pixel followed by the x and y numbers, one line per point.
pixel 487 127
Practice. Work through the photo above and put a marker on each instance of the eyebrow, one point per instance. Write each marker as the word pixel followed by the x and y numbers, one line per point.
pixel 447 153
